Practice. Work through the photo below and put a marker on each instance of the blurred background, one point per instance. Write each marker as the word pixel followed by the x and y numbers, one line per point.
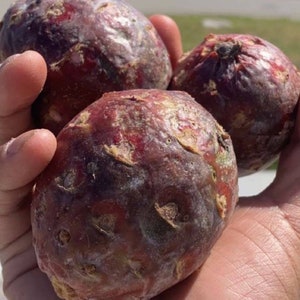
pixel 274 20
pixel 261 8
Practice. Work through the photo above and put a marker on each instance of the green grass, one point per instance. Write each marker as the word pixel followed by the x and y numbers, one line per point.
pixel 283 33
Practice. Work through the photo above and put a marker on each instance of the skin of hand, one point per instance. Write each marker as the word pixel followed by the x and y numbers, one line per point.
pixel 257 256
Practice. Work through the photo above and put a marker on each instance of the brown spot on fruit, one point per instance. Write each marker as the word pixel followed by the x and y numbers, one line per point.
pixel 55 10
pixel 282 75
pixel 136 268
pixel 168 212
pixel 210 87
pixel 179 268
pixel 188 140
pixel 88 269
pixel 63 237
pixel 81 121
pixel 121 152
pixel 221 203
pixel 67 181
pixel 105 224
pixel 214 175
pixel 102 7
pixel 223 139
pixel 63 290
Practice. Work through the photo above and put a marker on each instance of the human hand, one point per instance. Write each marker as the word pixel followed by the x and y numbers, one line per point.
pixel 24 153
pixel 256 257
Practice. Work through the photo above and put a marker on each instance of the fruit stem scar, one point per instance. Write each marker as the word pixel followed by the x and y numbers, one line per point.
pixel 227 50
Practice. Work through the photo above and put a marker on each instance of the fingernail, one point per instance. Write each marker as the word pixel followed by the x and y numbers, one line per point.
pixel 8 60
pixel 14 145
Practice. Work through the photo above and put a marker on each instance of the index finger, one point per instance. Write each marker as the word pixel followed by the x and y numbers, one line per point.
pixel 22 77
pixel 170 34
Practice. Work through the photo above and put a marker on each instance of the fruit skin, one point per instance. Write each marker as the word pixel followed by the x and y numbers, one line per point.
pixel 251 88
pixel 90 46
pixel 141 186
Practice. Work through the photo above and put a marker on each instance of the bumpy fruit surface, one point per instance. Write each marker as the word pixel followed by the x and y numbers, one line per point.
pixel 90 46
pixel 251 88
pixel 141 186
